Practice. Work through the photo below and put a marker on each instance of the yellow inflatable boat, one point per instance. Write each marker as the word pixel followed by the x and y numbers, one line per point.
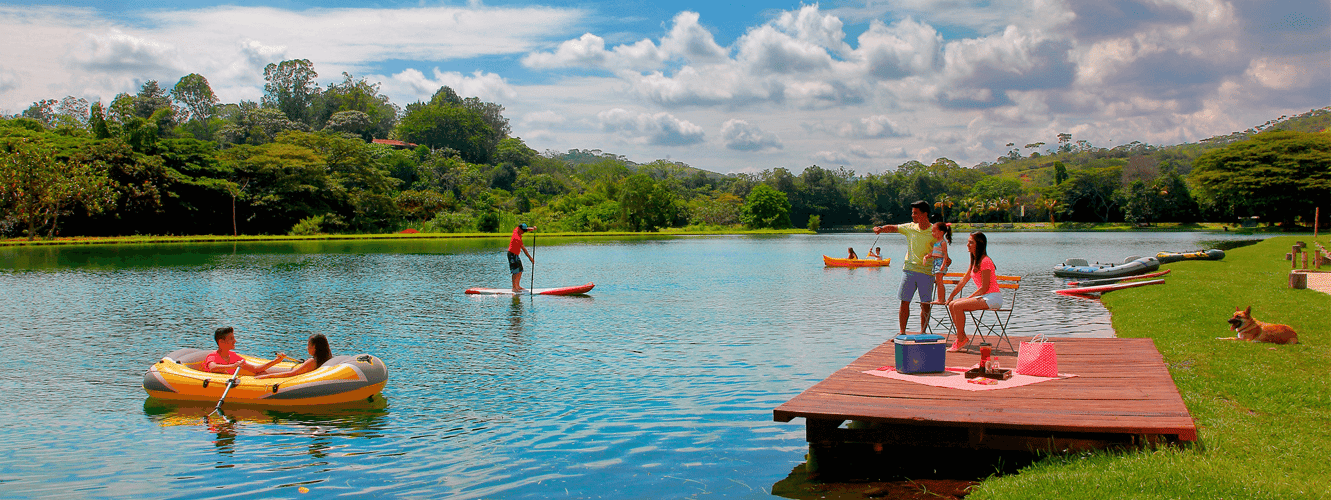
pixel 343 379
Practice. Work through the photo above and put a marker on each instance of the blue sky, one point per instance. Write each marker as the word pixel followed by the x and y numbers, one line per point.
pixel 729 86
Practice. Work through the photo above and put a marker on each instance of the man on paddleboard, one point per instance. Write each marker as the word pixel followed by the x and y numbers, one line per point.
pixel 515 251
pixel 918 276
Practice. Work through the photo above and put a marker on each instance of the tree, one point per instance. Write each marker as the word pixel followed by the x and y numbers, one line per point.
pixel 291 88
pixel 43 111
pixel 97 121
pixel 1060 173
pixel 1175 199
pixel 352 122
pixel 449 127
pixel 150 99
pixel 1279 175
pixel 513 150
pixel 1139 202
pixel 279 184
pixel 824 193
pixel 645 205
pixel 1088 196
pixel 72 112
pixel 37 188
pixel 355 96
pixel 876 197
pixel 723 210
pixel 766 207
pixel 196 97
pixel 121 109
pixel 250 124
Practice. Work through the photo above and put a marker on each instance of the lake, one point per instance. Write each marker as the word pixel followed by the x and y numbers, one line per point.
pixel 660 384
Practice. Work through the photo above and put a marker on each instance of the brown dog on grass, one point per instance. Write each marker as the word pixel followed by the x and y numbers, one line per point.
pixel 1251 330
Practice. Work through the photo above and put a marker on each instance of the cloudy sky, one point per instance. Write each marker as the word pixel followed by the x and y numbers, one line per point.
pixel 726 86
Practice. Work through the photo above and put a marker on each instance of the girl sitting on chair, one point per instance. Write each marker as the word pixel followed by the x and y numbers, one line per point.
pixel 986 294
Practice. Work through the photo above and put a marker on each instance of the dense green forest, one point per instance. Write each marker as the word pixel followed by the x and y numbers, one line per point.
pixel 345 159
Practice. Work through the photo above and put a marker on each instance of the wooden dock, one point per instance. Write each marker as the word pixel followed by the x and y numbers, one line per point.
pixel 1122 396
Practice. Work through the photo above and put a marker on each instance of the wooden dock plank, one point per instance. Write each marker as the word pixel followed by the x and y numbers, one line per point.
pixel 1122 386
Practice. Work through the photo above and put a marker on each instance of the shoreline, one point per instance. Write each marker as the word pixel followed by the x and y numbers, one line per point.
pixel 1071 227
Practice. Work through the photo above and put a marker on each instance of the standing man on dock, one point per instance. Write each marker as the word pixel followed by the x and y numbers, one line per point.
pixel 918 277
pixel 515 251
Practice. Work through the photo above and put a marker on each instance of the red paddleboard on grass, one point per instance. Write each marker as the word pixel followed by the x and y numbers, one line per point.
pixel 1108 281
pixel 568 290
pixel 1106 288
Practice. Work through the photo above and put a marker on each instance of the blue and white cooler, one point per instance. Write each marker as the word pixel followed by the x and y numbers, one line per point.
pixel 921 353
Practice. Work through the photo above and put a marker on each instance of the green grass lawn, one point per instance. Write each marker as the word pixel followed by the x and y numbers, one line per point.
pixel 1263 412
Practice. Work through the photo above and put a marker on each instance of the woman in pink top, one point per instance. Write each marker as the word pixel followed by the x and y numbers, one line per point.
pixel 986 294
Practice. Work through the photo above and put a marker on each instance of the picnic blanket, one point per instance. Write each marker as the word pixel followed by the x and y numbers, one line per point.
pixel 955 378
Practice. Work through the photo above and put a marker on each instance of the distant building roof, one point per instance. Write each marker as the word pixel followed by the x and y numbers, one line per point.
pixel 393 143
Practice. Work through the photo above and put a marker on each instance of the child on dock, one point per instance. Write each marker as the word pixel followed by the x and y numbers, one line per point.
pixel 942 232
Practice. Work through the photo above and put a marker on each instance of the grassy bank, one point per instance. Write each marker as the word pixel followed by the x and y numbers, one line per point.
pixel 140 239
pixel 1263 412
pixel 1112 227
pixel 687 231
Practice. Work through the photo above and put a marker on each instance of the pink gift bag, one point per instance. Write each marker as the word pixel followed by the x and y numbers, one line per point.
pixel 1037 358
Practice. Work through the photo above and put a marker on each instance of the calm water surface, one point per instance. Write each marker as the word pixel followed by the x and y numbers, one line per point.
pixel 661 384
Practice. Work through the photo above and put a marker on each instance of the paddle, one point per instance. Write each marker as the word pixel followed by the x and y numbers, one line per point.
pixel 229 384
pixel 531 283
pixel 875 244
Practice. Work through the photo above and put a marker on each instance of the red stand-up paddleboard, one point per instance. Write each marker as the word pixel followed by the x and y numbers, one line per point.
pixel 1109 281
pixel 1106 288
pixel 568 290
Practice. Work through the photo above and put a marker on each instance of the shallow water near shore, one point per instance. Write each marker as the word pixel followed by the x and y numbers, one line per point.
pixel 660 384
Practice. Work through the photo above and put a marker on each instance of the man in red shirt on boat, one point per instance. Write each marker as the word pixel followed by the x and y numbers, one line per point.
pixel 918 274
pixel 225 360
pixel 515 251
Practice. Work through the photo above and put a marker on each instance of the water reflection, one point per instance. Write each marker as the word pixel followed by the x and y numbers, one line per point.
pixel 318 426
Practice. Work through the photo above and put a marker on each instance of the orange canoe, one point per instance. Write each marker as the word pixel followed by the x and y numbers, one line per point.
pixel 835 262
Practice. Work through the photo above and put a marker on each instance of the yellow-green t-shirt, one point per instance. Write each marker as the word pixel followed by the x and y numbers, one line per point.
pixel 919 242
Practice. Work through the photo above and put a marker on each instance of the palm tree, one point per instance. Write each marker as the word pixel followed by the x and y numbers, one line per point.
pixel 1049 204
pixel 944 202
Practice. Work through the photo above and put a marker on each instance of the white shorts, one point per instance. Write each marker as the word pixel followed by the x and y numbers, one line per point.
pixel 994 300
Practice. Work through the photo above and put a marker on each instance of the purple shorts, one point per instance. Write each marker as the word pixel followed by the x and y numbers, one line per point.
pixel 913 282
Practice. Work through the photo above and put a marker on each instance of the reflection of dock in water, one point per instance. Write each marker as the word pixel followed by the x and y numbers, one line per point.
pixel 1122 395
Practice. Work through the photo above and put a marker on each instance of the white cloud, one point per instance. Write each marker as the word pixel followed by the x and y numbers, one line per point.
pixel 766 51
pixel 692 42
pixel 903 49
pixel 77 51
pixel 741 136
pixel 661 129
pixel 486 86
pixel 812 26
pixel 120 53
pixel 830 157
pixel 355 36
pixel 542 119
pixel 1277 75
pixel 9 80
pixel 687 41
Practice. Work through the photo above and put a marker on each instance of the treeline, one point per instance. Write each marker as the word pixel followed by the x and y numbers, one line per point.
pixel 344 158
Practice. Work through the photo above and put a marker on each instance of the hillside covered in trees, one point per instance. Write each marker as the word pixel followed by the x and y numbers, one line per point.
pixel 345 158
